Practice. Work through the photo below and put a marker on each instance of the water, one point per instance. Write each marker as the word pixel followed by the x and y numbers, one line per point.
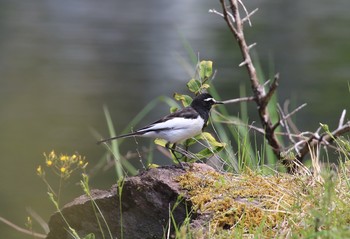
pixel 61 61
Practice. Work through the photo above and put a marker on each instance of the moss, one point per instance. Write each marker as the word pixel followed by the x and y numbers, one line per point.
pixel 242 204
pixel 278 206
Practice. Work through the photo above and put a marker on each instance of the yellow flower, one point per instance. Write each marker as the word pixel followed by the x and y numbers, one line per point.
pixel 52 154
pixel 74 156
pixel 63 169
pixel 39 171
pixel 64 157
pixel 49 163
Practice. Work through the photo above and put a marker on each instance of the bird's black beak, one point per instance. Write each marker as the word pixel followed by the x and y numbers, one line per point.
pixel 219 102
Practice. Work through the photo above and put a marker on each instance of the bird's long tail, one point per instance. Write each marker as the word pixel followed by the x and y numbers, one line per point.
pixel 120 136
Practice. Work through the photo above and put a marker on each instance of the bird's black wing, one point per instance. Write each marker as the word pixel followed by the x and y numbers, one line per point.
pixel 187 113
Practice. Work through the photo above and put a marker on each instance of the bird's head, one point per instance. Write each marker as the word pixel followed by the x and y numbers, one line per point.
pixel 205 101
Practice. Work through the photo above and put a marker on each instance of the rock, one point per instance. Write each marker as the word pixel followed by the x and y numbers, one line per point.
pixel 146 201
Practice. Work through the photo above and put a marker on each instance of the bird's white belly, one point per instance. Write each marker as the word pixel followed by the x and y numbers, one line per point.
pixel 178 135
pixel 178 129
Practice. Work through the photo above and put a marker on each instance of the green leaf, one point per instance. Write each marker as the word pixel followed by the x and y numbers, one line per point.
pixel 205 86
pixel 194 85
pixel 213 145
pixel 211 140
pixel 205 153
pixel 185 99
pixel 207 137
pixel 89 236
pixel 208 152
pixel 192 141
pixel 213 148
pixel 160 142
pixel 173 109
pixel 205 69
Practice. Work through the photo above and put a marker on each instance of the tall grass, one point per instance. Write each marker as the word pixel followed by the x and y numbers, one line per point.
pixel 122 166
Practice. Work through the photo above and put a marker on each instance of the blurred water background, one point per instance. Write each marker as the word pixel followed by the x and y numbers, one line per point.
pixel 61 61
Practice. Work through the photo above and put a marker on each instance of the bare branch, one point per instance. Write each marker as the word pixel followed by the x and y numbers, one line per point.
pixel 251 46
pixel 216 12
pixel 22 230
pixel 301 144
pixel 227 19
pixel 284 123
pixel 251 98
pixel 274 127
pixel 239 123
pixel 243 63
pixel 247 18
pixel 294 111
pixel 231 16
pixel 272 89
pixel 340 130
pixel 325 138
pixel 266 83
pixel 284 118
pixel 289 120
pixel 342 118
pixel 245 9
pixel 260 97
pixel 281 113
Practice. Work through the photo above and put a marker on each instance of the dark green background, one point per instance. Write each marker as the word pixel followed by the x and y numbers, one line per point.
pixel 61 61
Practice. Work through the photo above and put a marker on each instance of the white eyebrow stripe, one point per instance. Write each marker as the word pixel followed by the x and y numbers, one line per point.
pixel 209 99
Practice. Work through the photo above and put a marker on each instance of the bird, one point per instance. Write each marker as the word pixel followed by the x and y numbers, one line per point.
pixel 178 126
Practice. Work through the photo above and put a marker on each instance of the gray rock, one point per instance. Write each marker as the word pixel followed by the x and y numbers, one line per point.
pixel 146 201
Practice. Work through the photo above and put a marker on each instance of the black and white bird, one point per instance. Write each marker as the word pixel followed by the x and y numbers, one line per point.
pixel 178 126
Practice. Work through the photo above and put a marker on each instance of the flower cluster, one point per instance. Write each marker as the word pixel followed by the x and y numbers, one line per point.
pixel 62 165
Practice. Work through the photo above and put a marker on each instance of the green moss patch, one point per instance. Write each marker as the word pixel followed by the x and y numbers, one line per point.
pixel 250 204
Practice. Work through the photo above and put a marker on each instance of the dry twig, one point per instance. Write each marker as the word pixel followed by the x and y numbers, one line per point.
pixel 231 15
pixel 21 229
pixel 261 98
pixel 316 139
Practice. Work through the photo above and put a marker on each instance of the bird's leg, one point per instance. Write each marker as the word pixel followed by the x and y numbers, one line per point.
pixel 173 150
pixel 186 149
